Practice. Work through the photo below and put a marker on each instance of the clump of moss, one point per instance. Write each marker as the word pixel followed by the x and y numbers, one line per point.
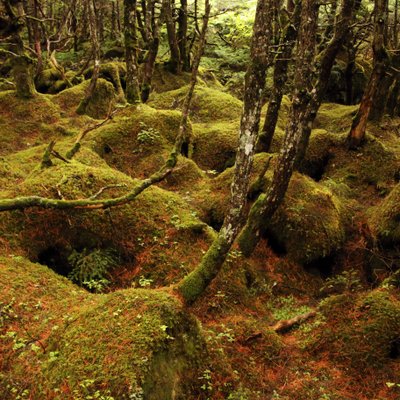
pixel 215 145
pixel 335 118
pixel 310 223
pixel 374 166
pixel 102 101
pixel 208 105
pixel 25 121
pixel 151 231
pixel 138 140
pixel 61 341
pixel 385 217
pixel 360 331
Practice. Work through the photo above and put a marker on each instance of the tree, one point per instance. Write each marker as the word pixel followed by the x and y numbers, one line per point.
pixel 380 61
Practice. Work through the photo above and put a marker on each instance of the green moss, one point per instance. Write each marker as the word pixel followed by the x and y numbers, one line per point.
pixel 138 140
pixel 335 118
pixel 153 229
pixel 385 217
pixel 375 167
pixel 215 144
pixel 359 331
pixel 46 79
pixel 101 102
pixel 208 105
pixel 124 344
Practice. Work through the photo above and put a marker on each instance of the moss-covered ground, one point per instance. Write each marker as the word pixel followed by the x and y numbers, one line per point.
pixel 111 327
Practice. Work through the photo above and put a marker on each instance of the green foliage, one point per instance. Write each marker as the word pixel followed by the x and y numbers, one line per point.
pixel 347 281
pixel 148 135
pixel 90 267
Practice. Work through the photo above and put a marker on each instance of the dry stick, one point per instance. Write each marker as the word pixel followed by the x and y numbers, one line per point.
pixel 285 325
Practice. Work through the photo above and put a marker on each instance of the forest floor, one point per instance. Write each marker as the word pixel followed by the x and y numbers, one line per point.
pixel 87 310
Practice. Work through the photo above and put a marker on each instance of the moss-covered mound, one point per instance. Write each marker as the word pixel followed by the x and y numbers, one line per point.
pixel 138 140
pixel 148 235
pixel 215 145
pixel 24 122
pixel 360 331
pixel 60 342
pixel 310 224
pixel 375 167
pixel 385 218
pixel 335 118
pixel 208 105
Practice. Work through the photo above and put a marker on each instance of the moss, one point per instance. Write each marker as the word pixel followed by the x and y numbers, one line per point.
pixel 215 144
pixel 208 105
pixel 360 330
pixel 151 232
pixel 102 101
pixel 385 217
pixel 335 118
pixel 138 140
pixel 124 344
pixel 69 98
pixel 25 121
pixel 310 224
pixel 374 167
pixel 46 79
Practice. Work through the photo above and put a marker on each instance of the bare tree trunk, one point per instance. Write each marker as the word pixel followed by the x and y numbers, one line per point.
pixel 193 285
pixel 381 59
pixel 280 77
pixel 96 54
pixel 132 78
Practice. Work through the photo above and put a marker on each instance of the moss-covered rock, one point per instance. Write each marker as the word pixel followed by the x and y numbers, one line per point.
pixel 24 122
pixel 208 105
pixel 102 101
pixel 385 218
pixel 310 224
pixel 215 144
pixel 138 140
pixel 335 118
pixel 61 342
pixel 150 232
pixel 360 331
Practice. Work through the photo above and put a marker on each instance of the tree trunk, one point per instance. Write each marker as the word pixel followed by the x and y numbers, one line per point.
pixel 175 61
pixel 280 77
pixel 182 35
pixel 96 54
pixel 193 285
pixel 132 79
pixel 266 204
pixel 381 59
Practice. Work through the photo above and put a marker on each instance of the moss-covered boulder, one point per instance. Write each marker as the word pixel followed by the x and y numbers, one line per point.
pixel 103 100
pixel 208 105
pixel 149 234
pixel 309 225
pixel 60 342
pixel 335 118
pixel 24 122
pixel 215 144
pixel 361 331
pixel 385 218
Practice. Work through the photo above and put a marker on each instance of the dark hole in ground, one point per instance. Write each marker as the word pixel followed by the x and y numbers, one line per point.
pixel 107 149
pixel 214 221
pixel 394 353
pixel 276 245
pixel 316 169
pixel 322 267
pixel 56 258
pixel 185 149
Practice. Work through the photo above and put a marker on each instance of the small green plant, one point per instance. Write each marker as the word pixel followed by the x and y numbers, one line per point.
pixel 346 282
pixel 148 135
pixel 90 267
pixel 207 386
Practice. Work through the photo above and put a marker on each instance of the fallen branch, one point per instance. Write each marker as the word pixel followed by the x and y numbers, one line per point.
pixel 286 325
pixel 77 145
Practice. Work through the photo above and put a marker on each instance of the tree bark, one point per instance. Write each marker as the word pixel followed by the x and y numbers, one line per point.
pixel 96 55
pixel 130 35
pixel 182 35
pixel 175 61
pixel 280 77
pixel 381 60
pixel 193 285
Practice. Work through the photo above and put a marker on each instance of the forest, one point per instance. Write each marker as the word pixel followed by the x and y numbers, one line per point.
pixel 199 200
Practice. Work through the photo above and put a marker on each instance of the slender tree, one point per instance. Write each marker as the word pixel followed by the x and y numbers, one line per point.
pixel 380 61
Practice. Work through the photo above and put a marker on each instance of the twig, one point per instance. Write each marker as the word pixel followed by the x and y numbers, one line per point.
pixel 286 325
pixel 103 189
